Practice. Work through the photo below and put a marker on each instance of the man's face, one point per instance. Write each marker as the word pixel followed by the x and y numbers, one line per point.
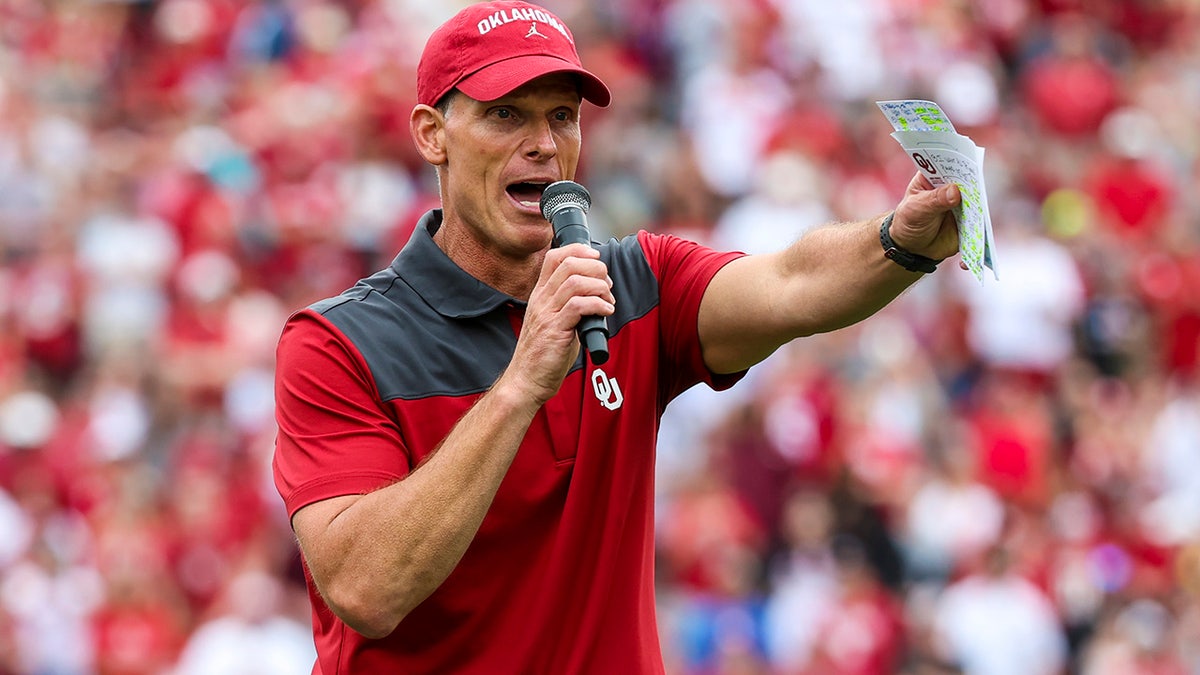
pixel 501 154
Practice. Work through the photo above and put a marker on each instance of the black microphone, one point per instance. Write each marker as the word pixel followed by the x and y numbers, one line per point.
pixel 565 204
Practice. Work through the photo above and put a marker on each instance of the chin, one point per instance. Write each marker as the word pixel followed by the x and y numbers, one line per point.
pixel 537 240
pixel 524 236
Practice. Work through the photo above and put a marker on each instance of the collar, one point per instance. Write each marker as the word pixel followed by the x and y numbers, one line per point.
pixel 440 282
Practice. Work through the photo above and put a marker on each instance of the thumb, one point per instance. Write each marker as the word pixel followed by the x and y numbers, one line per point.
pixel 939 199
pixel 949 195
pixel 929 204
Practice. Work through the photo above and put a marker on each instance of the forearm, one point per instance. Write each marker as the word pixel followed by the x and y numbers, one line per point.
pixel 832 277
pixel 388 550
pixel 837 276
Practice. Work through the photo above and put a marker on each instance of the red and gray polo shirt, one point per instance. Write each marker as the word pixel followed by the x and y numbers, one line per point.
pixel 559 578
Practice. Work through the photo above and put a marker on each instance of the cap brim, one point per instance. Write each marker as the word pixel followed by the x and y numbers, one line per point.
pixel 491 82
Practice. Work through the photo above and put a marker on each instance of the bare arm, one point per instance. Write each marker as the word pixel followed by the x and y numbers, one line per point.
pixel 832 277
pixel 375 557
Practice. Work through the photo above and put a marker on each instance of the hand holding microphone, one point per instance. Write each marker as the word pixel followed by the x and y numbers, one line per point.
pixel 565 204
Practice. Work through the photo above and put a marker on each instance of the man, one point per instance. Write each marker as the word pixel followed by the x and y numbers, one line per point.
pixel 470 493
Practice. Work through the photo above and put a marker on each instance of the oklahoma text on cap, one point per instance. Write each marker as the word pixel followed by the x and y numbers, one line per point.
pixel 489 49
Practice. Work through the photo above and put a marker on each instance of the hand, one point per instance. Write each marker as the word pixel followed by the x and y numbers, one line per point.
pixel 573 283
pixel 924 222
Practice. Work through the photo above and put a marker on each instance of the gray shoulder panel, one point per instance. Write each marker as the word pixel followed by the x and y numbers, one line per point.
pixel 415 352
pixel 634 284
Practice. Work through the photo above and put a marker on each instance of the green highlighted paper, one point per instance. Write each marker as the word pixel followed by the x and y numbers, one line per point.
pixel 945 156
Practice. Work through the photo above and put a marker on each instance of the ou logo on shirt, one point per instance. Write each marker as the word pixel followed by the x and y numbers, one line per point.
pixel 608 392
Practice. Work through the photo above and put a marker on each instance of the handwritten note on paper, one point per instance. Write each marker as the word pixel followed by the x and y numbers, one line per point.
pixel 945 156
pixel 916 115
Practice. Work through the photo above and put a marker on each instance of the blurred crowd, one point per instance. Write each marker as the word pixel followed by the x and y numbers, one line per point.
pixel 988 477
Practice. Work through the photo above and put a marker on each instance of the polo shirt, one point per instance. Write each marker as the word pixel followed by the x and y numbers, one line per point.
pixel 560 577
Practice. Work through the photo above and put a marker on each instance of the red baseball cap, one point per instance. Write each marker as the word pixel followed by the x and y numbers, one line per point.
pixel 491 48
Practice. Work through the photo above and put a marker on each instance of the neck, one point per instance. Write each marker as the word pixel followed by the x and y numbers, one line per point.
pixel 512 275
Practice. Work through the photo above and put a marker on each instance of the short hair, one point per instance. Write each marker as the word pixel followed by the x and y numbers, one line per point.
pixel 443 104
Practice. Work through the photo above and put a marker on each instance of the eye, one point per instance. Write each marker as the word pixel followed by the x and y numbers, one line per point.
pixel 502 113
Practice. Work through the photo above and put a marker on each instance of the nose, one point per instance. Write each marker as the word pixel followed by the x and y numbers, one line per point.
pixel 541 144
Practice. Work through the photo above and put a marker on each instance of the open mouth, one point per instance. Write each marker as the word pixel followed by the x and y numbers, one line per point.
pixel 527 194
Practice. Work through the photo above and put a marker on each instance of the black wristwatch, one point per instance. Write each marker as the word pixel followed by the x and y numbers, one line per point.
pixel 909 261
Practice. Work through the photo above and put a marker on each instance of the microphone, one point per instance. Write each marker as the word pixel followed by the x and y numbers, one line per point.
pixel 565 204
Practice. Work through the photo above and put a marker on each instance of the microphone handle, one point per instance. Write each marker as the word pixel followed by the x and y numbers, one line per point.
pixel 593 332
pixel 570 227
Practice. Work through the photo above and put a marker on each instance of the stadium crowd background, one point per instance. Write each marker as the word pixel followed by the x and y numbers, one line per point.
pixel 985 478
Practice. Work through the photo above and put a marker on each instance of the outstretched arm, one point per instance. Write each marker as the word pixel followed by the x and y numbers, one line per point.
pixel 832 277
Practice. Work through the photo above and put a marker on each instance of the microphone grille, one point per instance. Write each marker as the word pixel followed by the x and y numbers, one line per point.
pixel 564 193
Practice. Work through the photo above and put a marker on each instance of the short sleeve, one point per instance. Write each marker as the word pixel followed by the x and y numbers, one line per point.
pixel 335 436
pixel 684 269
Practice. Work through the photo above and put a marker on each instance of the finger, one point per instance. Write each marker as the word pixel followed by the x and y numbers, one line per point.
pixel 950 195
pixel 578 306
pixel 556 256
pixel 944 197
pixel 919 183
pixel 587 265
pixel 575 277
pixel 574 251
pixel 931 203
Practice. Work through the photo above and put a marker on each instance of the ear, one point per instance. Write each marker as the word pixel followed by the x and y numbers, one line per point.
pixel 428 129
